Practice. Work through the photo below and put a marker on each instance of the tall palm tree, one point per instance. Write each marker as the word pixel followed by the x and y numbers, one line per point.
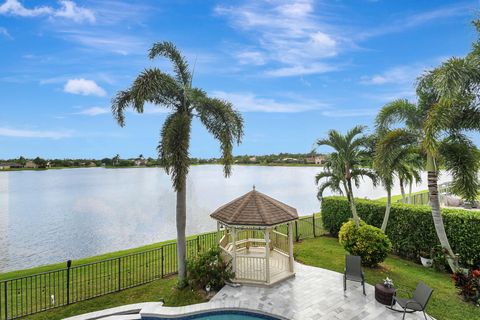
pixel 346 163
pixel 438 137
pixel 185 102
pixel 393 150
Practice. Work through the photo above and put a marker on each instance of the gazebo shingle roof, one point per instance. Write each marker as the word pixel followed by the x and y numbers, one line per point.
pixel 255 209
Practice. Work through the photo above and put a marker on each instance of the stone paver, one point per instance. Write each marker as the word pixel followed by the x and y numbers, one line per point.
pixel 314 293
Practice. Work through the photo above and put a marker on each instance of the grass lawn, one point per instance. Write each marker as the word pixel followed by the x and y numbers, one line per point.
pixel 154 291
pixel 325 252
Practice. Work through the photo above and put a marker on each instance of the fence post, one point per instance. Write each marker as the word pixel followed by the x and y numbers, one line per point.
pixel 119 274
pixel 198 244
pixel 313 219
pixel 6 299
pixel 296 231
pixel 161 262
pixel 69 265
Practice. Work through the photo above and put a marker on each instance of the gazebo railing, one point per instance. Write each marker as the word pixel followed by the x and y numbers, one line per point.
pixel 250 268
pixel 279 241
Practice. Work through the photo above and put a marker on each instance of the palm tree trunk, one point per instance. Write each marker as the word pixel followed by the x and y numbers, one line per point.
pixel 410 193
pixel 353 207
pixel 437 215
pixel 181 241
pixel 387 209
pixel 402 190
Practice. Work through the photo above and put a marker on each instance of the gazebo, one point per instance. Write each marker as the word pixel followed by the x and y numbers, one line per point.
pixel 258 238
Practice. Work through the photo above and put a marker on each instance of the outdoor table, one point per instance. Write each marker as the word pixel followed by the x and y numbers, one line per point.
pixel 383 294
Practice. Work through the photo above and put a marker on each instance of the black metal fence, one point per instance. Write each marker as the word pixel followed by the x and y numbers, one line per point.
pixel 31 294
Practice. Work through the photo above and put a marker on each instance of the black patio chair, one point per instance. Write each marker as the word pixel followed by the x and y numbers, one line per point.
pixel 418 302
pixel 353 271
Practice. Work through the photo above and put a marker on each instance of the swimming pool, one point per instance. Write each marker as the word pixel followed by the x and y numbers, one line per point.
pixel 220 315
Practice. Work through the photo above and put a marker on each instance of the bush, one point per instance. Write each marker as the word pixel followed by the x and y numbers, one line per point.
pixel 209 269
pixel 366 241
pixel 468 284
pixel 410 227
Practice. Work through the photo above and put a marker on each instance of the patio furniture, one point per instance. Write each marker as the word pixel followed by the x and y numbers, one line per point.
pixel 383 294
pixel 258 238
pixel 353 271
pixel 418 302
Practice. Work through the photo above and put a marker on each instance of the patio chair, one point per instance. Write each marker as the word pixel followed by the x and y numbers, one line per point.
pixel 418 302
pixel 353 271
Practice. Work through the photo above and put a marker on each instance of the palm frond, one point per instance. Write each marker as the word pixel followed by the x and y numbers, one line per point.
pixel 462 160
pixel 180 65
pixel 173 147
pixel 223 122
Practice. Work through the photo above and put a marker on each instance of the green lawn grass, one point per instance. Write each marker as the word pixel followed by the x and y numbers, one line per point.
pixel 155 291
pixel 325 252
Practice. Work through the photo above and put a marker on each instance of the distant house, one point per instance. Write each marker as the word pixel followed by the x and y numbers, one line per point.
pixel 140 162
pixel 92 164
pixel 252 159
pixel 10 165
pixel 30 164
pixel 315 160
pixel 290 160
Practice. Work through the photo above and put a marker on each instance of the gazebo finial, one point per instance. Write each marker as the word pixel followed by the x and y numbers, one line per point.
pixel 253 187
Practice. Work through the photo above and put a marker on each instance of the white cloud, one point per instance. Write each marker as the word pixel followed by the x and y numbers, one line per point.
pixel 349 113
pixel 299 70
pixel 84 87
pixel 251 57
pixel 94 111
pixel 106 41
pixel 395 75
pixel 249 102
pixel 15 8
pixel 67 10
pixel 288 34
pixel 70 10
pixel 414 20
pixel 20 133
pixel 4 32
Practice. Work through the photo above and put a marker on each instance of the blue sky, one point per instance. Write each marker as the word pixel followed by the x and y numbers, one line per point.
pixel 295 69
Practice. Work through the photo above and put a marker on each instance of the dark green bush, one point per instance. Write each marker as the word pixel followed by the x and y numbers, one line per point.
pixel 410 227
pixel 366 241
pixel 210 269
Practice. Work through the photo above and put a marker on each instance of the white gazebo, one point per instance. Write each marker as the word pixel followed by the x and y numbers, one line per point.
pixel 258 238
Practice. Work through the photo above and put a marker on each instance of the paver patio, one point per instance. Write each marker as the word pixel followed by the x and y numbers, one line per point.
pixel 314 293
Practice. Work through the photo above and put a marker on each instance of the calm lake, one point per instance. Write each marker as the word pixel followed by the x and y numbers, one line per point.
pixel 55 215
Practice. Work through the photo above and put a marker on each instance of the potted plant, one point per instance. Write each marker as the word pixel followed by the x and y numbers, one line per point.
pixel 426 259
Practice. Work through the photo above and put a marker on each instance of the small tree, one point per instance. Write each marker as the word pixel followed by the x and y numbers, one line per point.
pixel 346 163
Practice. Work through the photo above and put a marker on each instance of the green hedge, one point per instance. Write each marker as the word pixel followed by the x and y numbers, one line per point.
pixel 410 227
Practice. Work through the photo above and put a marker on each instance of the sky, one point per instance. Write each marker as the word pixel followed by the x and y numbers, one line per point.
pixel 295 69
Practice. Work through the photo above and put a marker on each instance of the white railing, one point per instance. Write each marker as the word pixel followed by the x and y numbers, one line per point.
pixel 251 268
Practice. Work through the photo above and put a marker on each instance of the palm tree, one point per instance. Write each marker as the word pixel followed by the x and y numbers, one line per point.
pixel 438 137
pixel 185 102
pixel 346 163
pixel 393 151
pixel 116 159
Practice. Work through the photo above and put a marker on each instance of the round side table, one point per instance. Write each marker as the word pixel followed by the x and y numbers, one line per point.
pixel 383 294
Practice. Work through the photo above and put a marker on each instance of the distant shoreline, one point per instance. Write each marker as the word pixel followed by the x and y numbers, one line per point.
pixel 141 167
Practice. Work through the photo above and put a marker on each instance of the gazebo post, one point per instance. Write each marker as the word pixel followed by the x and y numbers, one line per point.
pixel 234 254
pixel 267 254
pixel 290 246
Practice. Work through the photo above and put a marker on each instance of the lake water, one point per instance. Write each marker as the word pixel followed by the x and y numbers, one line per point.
pixel 55 215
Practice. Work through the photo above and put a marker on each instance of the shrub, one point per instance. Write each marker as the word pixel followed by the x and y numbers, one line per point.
pixel 468 284
pixel 410 227
pixel 208 269
pixel 366 241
